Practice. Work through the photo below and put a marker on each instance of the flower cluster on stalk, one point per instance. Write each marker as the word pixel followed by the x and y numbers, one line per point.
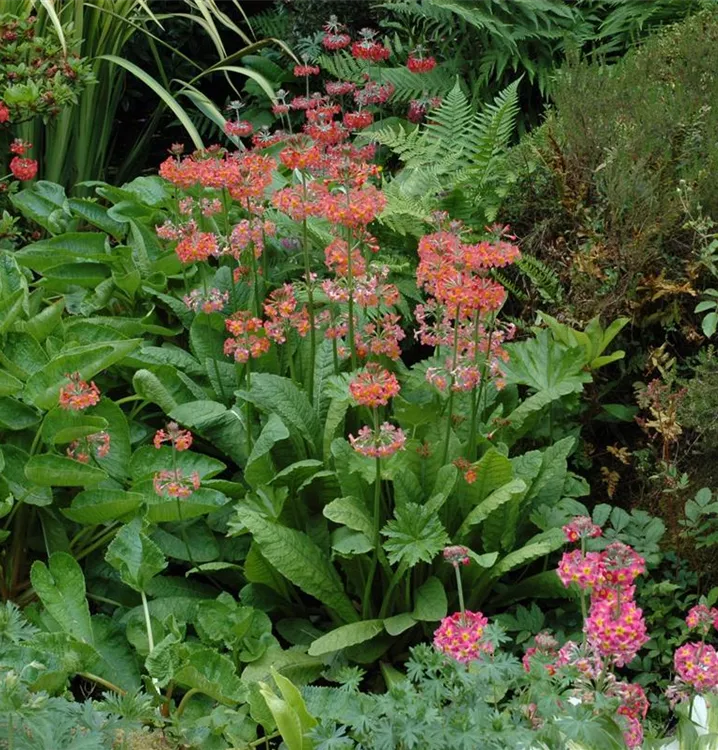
pixel 78 394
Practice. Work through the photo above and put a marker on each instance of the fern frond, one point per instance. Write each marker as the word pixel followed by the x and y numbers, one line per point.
pixel 543 278
pixel 450 123
pixel 343 66
pixel 509 285
pixel 408 85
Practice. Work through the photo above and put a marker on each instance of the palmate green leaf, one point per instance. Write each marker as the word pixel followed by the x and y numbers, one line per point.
pixel 272 393
pixel 346 636
pixel 543 364
pixel 53 470
pixel 137 558
pixel 43 387
pixel 61 587
pixel 414 535
pixel 102 506
pixel 297 558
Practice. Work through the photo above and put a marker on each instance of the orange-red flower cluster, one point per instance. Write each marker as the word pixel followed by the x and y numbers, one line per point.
pixel 78 394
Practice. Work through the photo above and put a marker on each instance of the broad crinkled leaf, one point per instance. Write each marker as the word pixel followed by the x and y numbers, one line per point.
pixel 430 602
pixel 210 672
pixel 260 467
pixel 495 500
pixel 61 587
pixel 43 387
pixel 297 558
pixel 272 393
pixel 137 558
pixel 352 512
pixel 52 470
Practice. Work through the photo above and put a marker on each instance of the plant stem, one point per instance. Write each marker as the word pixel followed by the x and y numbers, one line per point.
pixel 450 407
pixel 248 375
pixel 398 573
pixel 98 542
pixel 377 525
pixel 266 738
pixel 185 700
pixel 350 300
pixel 460 589
pixel 128 399
pixel 310 299
pixel 148 623
pixel 100 681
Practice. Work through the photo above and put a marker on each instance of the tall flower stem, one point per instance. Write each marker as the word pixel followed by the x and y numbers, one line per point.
pixel 350 301
pixel 248 375
pixel 220 385
pixel 450 406
pixel 377 525
pixel 310 299
pixel 460 590
pixel 183 531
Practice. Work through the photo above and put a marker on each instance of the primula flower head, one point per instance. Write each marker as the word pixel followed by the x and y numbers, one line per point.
pixel 181 440
pixel 581 527
pixel 374 387
pixel 207 302
pixel 380 444
pixel 22 168
pixel 4 113
pixel 696 664
pixel 461 636
pixel 80 450
pixel 622 564
pixel 618 631
pixel 173 483
pixel 419 62
pixel 585 570
pixel 78 394
pixel 702 619
pixel 457 555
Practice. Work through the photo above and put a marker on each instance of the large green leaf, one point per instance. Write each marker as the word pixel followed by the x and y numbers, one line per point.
pixel 167 509
pixel 260 467
pixel 492 470
pixel 14 415
pixel 118 662
pixel 346 636
pixel 164 386
pixel 137 558
pixel 297 558
pixel 430 601
pixel 21 487
pixel 62 426
pixel 43 387
pixel 65 248
pixel 61 588
pixel 102 506
pixel 352 512
pixel 272 393
pixel 148 460
pixel 52 470
pixel 496 499
pixel 211 673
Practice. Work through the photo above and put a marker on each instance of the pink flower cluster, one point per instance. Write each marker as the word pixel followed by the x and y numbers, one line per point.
pixel 702 619
pixel 461 636
pixel 696 664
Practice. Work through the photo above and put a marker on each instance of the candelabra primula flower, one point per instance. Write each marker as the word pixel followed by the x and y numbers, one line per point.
pixel 702 619
pixel 462 636
pixel 173 483
pixel 378 444
pixel 78 394
pixel 179 439
pixel 616 631
pixel 581 527
pixel 374 387
pixel 696 665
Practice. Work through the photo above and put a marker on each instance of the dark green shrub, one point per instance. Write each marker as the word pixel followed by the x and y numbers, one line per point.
pixel 597 194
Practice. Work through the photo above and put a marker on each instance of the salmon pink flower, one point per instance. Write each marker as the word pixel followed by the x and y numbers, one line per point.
pixel 4 113
pixel 181 440
pixel 381 444
pixel 335 36
pixel 78 395
pixel 374 387
pixel 306 70
pixel 173 483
